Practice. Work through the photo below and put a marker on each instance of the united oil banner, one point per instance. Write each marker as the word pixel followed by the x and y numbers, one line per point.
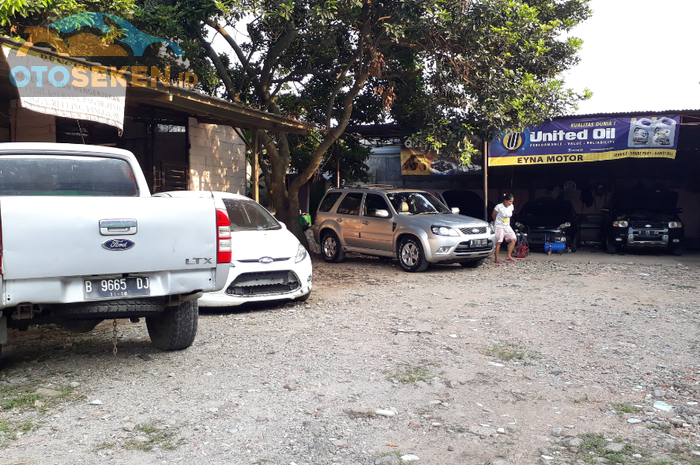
pixel 588 139
pixel 418 162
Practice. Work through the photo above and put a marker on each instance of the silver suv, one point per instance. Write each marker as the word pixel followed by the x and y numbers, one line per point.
pixel 412 225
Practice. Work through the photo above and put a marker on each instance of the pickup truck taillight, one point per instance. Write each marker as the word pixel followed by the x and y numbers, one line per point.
pixel 223 237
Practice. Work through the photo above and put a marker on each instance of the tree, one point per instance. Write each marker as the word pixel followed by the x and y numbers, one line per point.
pixel 450 70
pixel 16 15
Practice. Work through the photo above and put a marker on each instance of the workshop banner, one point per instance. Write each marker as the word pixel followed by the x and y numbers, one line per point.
pixel 588 139
pixel 417 162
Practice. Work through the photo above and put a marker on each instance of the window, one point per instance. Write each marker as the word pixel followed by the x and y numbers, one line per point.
pixel 374 202
pixel 66 175
pixel 350 204
pixel 328 202
pixel 246 215
pixel 416 203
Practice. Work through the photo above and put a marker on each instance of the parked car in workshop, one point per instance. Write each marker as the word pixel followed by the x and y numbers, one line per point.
pixel 644 219
pixel 411 225
pixel 268 262
pixel 469 203
pixel 550 220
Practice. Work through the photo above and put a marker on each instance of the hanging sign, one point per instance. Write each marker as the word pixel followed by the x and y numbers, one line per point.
pixel 588 139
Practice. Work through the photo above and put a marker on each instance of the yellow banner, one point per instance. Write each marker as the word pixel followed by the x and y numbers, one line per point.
pixel 582 157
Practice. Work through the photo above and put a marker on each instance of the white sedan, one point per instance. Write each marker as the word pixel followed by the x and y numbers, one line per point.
pixel 268 262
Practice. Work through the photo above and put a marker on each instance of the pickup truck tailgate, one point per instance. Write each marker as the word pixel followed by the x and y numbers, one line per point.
pixel 65 238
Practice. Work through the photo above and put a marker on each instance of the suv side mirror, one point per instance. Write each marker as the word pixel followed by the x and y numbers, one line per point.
pixel 455 210
pixel 381 213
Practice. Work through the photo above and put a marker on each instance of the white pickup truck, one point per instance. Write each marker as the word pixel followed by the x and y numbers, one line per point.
pixel 82 240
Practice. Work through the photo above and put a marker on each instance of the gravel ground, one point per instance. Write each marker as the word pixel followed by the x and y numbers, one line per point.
pixel 581 358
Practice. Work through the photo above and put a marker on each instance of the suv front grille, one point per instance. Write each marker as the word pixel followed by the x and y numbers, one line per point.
pixel 477 230
pixel 264 283
pixel 647 225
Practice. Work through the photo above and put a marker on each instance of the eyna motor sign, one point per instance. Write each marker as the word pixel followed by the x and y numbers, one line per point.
pixel 579 140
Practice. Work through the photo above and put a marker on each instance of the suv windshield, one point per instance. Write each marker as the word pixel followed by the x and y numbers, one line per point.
pixel 415 203
pixel 247 215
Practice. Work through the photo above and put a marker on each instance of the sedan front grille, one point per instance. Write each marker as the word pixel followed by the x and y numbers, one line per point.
pixel 476 230
pixel 264 283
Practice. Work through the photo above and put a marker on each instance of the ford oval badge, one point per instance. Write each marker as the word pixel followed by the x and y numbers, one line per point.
pixel 266 260
pixel 118 244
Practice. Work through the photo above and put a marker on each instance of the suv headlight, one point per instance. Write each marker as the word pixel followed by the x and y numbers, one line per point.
pixel 564 225
pixel 675 224
pixel 301 254
pixel 492 230
pixel 620 224
pixel 443 231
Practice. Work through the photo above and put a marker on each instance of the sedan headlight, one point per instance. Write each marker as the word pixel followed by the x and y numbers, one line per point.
pixel 564 225
pixel 301 254
pixel 675 224
pixel 620 224
pixel 443 231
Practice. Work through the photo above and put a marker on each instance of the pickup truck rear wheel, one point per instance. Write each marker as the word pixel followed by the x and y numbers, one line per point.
pixel 175 328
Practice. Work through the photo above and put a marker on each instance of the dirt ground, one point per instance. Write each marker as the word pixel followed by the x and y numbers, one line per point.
pixel 563 359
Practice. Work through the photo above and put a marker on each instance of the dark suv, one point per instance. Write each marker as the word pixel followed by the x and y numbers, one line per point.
pixel 644 219
pixel 412 225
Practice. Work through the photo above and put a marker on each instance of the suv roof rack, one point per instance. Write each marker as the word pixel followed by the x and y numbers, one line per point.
pixel 372 186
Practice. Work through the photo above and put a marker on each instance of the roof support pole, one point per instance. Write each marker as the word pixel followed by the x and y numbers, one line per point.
pixel 485 163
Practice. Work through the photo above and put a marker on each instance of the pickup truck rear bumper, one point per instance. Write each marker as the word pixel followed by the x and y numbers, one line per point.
pixel 67 290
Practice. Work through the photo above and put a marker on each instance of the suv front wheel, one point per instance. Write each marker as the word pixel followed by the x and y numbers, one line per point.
pixel 411 255
pixel 330 246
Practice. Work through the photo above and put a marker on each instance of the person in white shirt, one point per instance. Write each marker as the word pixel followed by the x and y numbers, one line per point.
pixel 501 220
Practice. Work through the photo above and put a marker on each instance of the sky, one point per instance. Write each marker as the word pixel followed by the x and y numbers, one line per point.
pixel 639 55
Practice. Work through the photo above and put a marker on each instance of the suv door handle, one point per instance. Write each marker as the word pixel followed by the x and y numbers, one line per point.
pixel 339 220
pixel 365 222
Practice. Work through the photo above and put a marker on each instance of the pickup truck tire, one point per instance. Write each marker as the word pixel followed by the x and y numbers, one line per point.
pixel 175 328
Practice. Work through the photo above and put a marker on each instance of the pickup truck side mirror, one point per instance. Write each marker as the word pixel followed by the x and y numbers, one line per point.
pixel 381 213
pixel 455 210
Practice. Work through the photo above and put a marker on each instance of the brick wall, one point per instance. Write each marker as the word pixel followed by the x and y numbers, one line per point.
pixel 217 158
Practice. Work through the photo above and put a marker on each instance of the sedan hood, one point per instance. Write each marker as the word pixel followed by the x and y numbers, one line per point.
pixel 253 245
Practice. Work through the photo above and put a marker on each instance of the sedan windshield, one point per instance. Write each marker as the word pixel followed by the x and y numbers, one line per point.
pixel 416 203
pixel 246 215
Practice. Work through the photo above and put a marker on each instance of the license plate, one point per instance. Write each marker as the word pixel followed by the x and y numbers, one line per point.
pixel 478 243
pixel 116 287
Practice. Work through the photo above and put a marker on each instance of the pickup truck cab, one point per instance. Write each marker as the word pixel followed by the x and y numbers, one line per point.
pixel 83 240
